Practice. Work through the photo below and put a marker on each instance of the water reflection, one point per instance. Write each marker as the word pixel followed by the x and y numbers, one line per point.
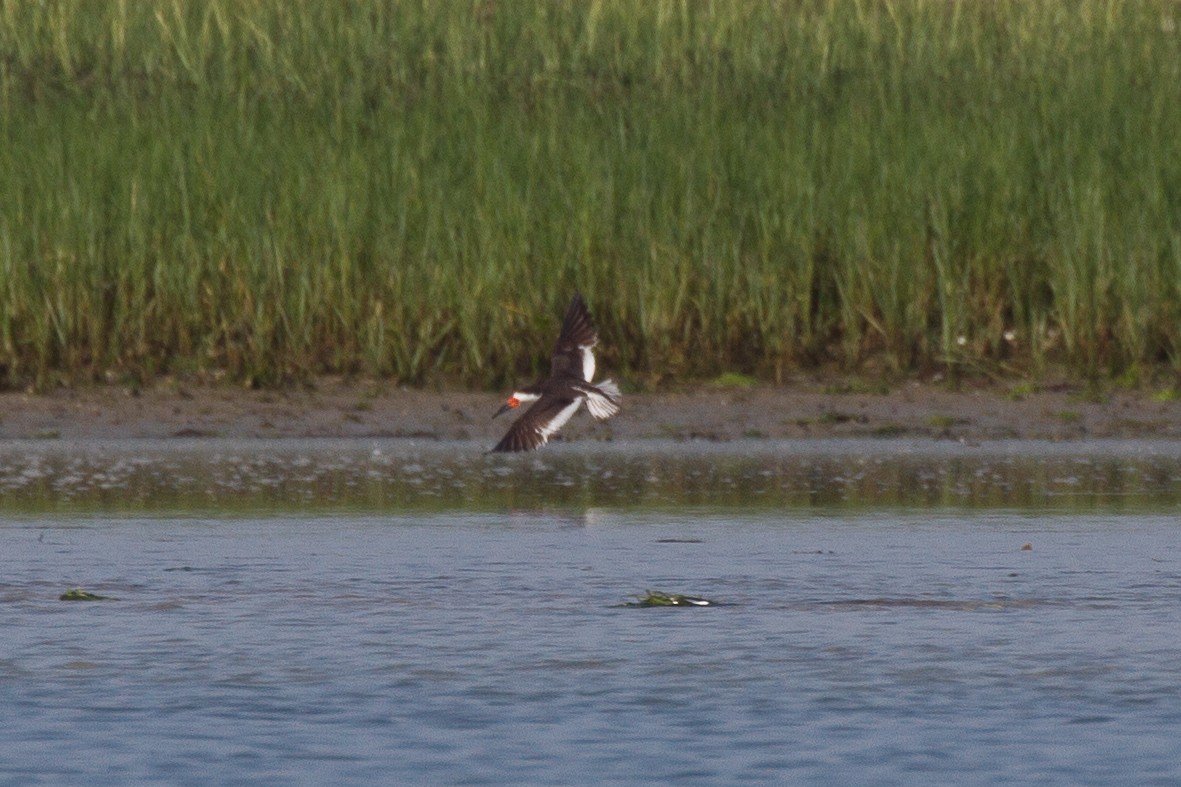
pixel 375 475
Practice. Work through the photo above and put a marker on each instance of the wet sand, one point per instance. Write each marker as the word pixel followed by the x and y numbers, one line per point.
pixel 342 409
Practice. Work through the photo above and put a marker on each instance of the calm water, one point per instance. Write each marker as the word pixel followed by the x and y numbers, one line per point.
pixel 327 612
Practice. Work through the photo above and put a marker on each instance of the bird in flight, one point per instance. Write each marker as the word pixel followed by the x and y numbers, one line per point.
pixel 559 396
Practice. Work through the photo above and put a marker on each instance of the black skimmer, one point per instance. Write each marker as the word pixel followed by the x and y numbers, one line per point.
pixel 558 397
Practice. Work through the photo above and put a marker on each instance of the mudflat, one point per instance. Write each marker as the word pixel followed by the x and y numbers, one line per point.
pixel 344 408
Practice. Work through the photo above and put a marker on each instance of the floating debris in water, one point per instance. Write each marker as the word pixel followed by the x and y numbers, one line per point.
pixel 656 598
pixel 78 594
pixel 1027 547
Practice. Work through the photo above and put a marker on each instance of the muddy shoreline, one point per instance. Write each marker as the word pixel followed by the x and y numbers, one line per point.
pixel 346 409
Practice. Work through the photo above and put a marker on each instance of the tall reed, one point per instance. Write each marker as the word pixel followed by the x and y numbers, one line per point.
pixel 413 189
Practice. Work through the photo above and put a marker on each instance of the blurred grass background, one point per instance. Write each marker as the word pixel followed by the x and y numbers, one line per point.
pixel 268 190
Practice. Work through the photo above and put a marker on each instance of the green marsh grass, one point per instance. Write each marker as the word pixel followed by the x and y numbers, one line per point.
pixel 412 190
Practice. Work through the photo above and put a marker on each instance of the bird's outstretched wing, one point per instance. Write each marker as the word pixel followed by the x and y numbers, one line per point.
pixel 540 422
pixel 572 353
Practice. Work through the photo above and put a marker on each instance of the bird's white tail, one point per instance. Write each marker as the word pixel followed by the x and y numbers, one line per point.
pixel 605 402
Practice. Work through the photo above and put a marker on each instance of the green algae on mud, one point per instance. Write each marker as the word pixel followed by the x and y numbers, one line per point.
pixel 658 598
pixel 78 594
